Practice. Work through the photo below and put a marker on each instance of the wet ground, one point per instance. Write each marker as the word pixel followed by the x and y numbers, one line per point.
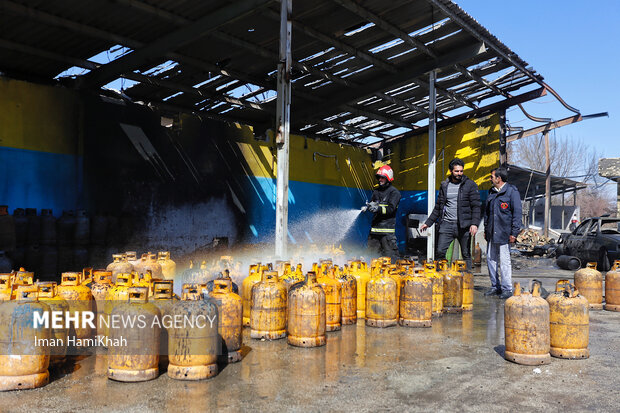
pixel 456 365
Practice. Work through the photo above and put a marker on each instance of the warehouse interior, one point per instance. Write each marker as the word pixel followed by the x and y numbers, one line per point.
pixel 253 128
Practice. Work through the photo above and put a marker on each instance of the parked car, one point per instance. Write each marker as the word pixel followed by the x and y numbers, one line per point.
pixel 594 240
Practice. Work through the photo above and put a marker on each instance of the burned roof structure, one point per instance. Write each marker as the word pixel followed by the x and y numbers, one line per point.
pixel 359 69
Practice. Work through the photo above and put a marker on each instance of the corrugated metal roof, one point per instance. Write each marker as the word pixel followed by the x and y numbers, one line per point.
pixel 352 70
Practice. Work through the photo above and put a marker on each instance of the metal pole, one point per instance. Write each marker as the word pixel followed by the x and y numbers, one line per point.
pixel 547 184
pixel 563 212
pixel 283 126
pixel 432 162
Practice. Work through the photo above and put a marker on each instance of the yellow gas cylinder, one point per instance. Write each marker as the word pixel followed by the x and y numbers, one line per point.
pixel 416 300
pixel 102 282
pixel 134 353
pixel 131 257
pixel 306 313
pixel 268 311
pixel 589 282
pixel 612 288
pixel 526 327
pixel 21 277
pixel 230 312
pixel 359 270
pixel 48 294
pixel 290 277
pixel 453 290
pixel 381 300
pixel 118 293
pixel 348 284
pixel 23 365
pixel 555 296
pixel 569 320
pixel 80 299
pixel 468 285
pixel 254 277
pixel 193 349
pixel 144 279
pixel 87 276
pixel 163 298
pixel 6 287
pixel 141 263
pixel 168 267
pixel 118 265
pixel 333 299
pixel 437 280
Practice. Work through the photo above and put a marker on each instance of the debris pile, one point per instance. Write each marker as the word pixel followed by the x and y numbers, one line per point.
pixel 530 242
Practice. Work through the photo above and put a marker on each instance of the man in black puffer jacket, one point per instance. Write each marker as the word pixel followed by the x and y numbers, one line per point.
pixel 457 212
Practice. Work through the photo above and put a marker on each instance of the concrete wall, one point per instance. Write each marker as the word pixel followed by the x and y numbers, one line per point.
pixel 180 187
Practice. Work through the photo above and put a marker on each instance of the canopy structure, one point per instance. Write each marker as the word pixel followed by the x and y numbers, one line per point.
pixel 359 67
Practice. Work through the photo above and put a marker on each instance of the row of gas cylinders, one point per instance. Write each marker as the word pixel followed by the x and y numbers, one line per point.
pixel 188 352
pixel 536 329
pixel 282 303
pixel 159 265
pixel 589 282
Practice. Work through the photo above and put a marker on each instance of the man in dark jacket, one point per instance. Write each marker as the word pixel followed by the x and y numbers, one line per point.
pixel 456 212
pixel 502 224
pixel 384 204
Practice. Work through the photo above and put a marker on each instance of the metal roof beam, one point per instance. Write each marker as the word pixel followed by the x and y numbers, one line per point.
pixel 170 42
pixel 411 41
pixel 544 128
pixel 385 82
pixel 354 129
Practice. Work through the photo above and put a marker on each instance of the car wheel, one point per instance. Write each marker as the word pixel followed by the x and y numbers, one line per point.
pixel 603 260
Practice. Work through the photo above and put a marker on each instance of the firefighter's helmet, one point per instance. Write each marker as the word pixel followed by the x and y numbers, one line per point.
pixel 386 172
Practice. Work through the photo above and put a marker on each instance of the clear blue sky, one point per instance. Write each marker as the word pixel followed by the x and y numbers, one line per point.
pixel 575 46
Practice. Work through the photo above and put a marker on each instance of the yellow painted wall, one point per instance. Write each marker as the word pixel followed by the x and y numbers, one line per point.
pixel 38 117
pixel 311 161
pixel 476 141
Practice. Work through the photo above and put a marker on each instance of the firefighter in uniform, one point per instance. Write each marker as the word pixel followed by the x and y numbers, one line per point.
pixel 384 203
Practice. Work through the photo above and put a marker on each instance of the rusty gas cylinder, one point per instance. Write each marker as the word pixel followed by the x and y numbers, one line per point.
pixel 381 300
pixel 143 279
pixel 468 286
pixel 48 294
pixel 268 310
pixel 612 288
pixel 102 283
pixel 560 285
pixel 6 286
pixel 306 313
pixel 452 290
pixel 230 313
pixel 589 282
pixel 526 327
pixel 21 277
pixel 118 293
pixel 168 267
pixel 193 349
pixel 80 299
pixel 131 257
pixel 134 351
pixel 163 298
pixel 333 299
pixel 224 275
pixel 348 284
pixel 416 300
pixel 254 276
pixel 359 269
pixel 569 320
pixel 23 364
pixel 290 277
pixel 118 265
pixel 437 280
